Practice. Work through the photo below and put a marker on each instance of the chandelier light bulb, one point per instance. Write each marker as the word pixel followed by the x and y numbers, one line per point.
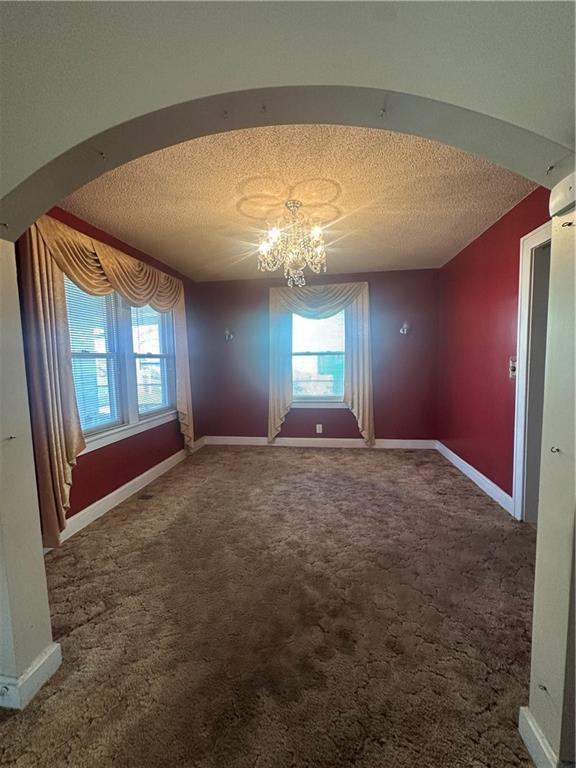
pixel 294 244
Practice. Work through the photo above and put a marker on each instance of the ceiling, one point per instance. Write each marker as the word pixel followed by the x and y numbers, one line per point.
pixel 387 200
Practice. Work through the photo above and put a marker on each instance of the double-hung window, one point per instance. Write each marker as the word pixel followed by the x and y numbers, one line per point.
pixel 153 354
pixel 122 361
pixel 318 361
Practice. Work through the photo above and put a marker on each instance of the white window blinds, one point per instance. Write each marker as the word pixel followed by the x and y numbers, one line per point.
pixel 122 359
pixel 93 323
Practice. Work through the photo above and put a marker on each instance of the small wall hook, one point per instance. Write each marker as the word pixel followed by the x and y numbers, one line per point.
pixel 405 328
pixel 228 335
pixel 554 449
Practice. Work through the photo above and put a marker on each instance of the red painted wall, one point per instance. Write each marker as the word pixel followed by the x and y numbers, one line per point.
pixel 478 308
pixel 100 472
pixel 231 395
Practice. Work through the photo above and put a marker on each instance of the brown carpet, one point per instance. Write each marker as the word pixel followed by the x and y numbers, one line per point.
pixel 288 608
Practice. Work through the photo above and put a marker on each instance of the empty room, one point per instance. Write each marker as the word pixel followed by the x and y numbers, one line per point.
pixel 287 385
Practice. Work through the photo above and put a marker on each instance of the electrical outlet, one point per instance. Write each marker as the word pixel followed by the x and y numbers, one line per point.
pixel 318 429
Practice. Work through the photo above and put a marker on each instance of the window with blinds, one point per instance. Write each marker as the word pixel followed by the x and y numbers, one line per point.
pixel 122 359
pixel 153 345
pixel 318 358
pixel 93 323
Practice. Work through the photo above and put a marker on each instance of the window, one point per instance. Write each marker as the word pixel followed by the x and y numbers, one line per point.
pixel 154 361
pixel 95 358
pixel 122 360
pixel 318 358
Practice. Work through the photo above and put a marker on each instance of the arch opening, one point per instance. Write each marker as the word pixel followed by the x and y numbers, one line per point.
pixel 506 145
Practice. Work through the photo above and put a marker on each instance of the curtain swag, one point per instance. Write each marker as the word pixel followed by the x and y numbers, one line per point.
pixel 320 302
pixel 100 269
pixel 48 251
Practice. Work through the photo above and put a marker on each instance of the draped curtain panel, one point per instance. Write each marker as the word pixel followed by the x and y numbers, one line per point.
pixel 54 416
pixel 50 250
pixel 319 302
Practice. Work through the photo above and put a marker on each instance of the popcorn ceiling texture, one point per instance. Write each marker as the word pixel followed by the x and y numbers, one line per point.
pixel 392 201
pixel 288 608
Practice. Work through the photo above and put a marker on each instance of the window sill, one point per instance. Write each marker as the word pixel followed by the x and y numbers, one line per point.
pixel 319 404
pixel 114 435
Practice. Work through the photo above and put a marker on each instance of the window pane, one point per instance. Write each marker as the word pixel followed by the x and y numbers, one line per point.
pixel 318 357
pixel 147 336
pixel 92 321
pixel 319 376
pixel 96 384
pixel 325 335
pixel 152 384
pixel 153 345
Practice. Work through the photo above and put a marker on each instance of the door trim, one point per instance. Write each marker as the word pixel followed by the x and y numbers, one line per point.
pixel 528 244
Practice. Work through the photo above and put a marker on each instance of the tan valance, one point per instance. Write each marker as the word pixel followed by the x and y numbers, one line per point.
pixel 99 269
pixel 320 301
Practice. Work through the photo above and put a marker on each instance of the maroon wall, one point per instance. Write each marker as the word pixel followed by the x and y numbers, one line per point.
pixel 478 308
pixel 231 396
pixel 100 472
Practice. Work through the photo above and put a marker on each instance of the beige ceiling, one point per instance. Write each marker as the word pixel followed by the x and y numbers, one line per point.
pixel 388 200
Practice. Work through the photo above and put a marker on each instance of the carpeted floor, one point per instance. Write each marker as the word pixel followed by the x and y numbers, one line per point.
pixel 288 608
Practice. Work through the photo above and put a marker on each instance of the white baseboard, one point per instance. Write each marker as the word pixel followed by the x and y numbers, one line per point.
pixel 314 442
pixel 200 443
pixel 100 507
pixel 542 754
pixel 16 692
pixel 490 488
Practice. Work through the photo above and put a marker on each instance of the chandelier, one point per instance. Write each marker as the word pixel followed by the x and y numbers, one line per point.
pixel 294 244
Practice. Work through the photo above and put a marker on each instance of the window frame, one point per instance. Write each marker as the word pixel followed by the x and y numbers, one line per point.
pixel 114 353
pixel 131 421
pixel 167 334
pixel 324 401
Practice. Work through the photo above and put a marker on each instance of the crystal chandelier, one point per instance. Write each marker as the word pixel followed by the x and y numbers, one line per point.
pixel 294 243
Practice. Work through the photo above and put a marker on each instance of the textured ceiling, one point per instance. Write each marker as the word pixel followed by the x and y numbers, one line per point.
pixel 390 201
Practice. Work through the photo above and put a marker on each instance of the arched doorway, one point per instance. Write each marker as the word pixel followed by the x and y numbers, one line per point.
pixel 506 145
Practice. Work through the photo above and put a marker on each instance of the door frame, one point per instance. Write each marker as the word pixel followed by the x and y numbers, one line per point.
pixel 528 244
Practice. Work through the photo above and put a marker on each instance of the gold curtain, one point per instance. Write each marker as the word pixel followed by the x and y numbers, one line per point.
pixel 100 269
pixel 54 416
pixel 50 250
pixel 320 302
